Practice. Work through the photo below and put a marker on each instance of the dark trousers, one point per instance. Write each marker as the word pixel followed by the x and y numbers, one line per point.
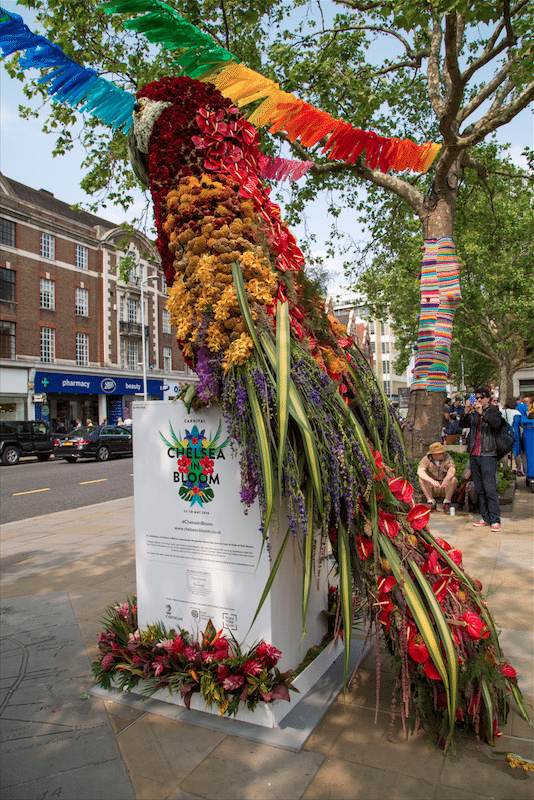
pixel 484 476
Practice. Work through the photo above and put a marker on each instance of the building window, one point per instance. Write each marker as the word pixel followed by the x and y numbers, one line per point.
pixel 7 339
pixel 7 284
pixel 82 302
pixel 133 355
pixel 133 310
pixel 385 347
pixel 82 349
pixel 48 344
pixel 82 257
pixel 48 294
pixel 48 246
pixel 7 232
pixel 383 328
pixel 166 321
pixel 385 367
pixel 387 387
pixel 372 326
pixel 373 347
pixel 167 359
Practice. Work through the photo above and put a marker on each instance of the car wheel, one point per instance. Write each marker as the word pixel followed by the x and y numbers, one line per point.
pixel 102 454
pixel 43 456
pixel 10 456
pixel 71 459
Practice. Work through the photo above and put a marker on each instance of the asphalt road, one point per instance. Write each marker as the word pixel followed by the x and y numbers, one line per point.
pixel 31 487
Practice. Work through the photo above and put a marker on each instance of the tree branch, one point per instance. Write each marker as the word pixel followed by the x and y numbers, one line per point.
pixel 494 119
pixel 493 49
pixel 434 90
pixel 401 188
pixel 453 84
pixel 488 89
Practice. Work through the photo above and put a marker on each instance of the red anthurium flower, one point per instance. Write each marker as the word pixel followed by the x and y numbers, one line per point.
pixel 380 465
pixel 401 489
pixel 441 542
pixel 417 649
pixel 418 517
pixel 476 628
pixel 365 546
pixel 478 584
pixel 441 699
pixel 333 534
pixel 431 566
pixel 385 614
pixel 388 524
pixel 455 555
pixel 507 670
pixel 431 670
pixel 440 589
pixel 386 584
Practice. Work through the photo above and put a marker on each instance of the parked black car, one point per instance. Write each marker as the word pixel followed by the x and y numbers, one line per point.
pixel 97 441
pixel 25 437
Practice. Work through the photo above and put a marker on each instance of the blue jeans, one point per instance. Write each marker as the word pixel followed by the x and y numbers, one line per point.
pixel 484 476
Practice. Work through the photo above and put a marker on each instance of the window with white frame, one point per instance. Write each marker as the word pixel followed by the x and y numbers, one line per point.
pixel 123 353
pixel 373 347
pixel 82 349
pixel 82 257
pixel 133 354
pixel 387 387
pixel 385 367
pixel 166 322
pixel 133 310
pixel 48 246
pixel 82 302
pixel 7 339
pixel 48 294
pixel 48 344
pixel 385 347
pixel 167 359
pixel 383 328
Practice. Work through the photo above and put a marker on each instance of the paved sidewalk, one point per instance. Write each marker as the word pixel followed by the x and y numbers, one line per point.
pixel 60 571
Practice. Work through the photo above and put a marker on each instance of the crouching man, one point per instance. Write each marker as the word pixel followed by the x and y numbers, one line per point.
pixel 437 476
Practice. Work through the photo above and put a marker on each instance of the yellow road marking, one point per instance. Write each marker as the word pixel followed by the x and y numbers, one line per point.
pixel 32 491
pixel 82 483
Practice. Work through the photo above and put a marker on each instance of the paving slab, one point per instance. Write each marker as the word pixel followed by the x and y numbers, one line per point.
pixel 52 739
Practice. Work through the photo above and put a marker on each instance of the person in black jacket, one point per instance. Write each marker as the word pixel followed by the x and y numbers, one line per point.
pixel 484 420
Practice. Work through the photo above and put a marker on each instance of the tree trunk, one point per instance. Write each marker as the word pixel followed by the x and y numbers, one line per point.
pixel 427 398
pixel 506 383
pixel 424 420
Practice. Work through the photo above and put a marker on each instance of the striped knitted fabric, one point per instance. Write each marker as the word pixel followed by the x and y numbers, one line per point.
pixel 440 295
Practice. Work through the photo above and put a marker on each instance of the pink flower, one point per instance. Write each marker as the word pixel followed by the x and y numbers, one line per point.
pixel 251 667
pixel 233 682
pixel 401 489
pixel 107 661
pixel 190 652
pixel 159 665
pixel 268 654
pixel 123 610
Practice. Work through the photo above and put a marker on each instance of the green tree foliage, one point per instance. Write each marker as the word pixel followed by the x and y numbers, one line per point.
pixel 494 236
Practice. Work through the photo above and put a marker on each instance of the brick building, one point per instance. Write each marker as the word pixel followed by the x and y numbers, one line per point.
pixel 70 328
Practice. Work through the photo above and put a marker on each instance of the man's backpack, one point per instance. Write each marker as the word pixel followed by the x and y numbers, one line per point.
pixel 504 439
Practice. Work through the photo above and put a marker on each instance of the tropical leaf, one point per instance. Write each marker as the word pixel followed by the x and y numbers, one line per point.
pixel 488 702
pixel 264 452
pixel 420 614
pixel 166 442
pixel 307 559
pixel 188 398
pixel 345 593
pixel 283 367
pixel 239 284
pixel 272 576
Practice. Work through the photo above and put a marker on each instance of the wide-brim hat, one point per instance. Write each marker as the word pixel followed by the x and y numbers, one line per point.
pixel 436 449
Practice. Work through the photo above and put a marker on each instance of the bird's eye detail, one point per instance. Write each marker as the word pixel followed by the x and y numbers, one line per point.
pixel 138 106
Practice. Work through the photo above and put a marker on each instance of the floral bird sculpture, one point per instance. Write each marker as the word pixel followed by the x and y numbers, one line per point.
pixel 303 405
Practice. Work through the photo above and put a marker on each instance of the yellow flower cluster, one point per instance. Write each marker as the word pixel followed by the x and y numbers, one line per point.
pixel 210 227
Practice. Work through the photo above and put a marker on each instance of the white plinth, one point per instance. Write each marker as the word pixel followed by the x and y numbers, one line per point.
pixel 199 556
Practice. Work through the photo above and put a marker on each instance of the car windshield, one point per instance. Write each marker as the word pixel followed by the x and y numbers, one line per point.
pixel 80 433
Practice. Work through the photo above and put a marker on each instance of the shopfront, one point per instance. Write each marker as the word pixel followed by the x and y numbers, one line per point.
pixel 13 393
pixel 70 397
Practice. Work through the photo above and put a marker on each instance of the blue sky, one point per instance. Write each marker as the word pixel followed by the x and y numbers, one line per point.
pixel 25 156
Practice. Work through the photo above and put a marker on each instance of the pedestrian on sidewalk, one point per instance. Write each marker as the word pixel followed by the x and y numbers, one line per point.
pixel 437 476
pixel 484 420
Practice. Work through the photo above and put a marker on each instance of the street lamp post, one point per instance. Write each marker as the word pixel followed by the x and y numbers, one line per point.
pixel 143 335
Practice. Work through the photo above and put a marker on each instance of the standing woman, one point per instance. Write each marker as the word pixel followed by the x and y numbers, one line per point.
pixel 513 417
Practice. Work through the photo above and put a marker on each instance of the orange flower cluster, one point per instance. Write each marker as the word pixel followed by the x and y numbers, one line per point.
pixel 210 227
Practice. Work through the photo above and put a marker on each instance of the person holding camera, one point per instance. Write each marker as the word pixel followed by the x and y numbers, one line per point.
pixel 483 419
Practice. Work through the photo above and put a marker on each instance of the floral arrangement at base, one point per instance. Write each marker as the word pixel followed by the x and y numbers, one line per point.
pixel 216 667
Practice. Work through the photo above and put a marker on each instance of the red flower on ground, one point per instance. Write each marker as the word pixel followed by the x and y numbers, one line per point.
pixel 401 489
pixel 418 517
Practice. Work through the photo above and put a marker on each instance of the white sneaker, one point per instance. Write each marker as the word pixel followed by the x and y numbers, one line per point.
pixel 496 526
